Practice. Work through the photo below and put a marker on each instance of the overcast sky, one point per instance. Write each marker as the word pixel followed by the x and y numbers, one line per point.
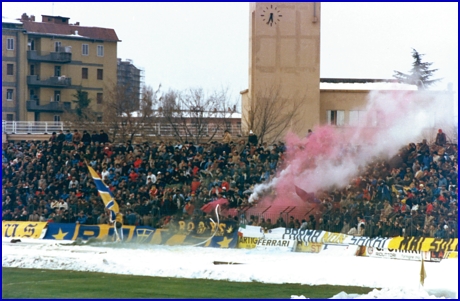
pixel 184 45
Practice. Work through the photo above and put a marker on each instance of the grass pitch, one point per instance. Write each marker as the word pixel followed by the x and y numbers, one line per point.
pixel 50 284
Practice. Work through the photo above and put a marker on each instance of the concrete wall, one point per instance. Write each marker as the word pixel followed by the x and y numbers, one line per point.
pixel 284 55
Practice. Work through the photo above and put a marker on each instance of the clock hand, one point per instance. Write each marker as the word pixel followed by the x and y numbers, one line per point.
pixel 270 19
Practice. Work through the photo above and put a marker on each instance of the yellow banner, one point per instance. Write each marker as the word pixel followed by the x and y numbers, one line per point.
pixel 23 229
pixel 423 244
pixel 452 255
pixel 247 242
pixel 312 247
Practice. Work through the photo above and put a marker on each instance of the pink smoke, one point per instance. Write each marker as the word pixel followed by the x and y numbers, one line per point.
pixel 332 156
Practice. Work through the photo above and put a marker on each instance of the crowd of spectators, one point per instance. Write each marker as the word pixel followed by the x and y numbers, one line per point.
pixel 49 180
pixel 414 193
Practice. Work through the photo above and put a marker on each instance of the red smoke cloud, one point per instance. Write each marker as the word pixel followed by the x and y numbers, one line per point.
pixel 332 156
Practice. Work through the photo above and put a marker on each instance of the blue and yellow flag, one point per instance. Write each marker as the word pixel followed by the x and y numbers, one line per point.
pixel 104 191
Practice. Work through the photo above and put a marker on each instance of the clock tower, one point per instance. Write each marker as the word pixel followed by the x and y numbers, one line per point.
pixel 284 64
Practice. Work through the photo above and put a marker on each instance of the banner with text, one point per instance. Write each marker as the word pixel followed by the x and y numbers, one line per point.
pixel 423 244
pixel 324 237
pixel 225 236
pixel 282 245
pixel 396 254
pixel 311 247
pixel 24 229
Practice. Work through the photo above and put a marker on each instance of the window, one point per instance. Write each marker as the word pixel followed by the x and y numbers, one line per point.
pixel 57 46
pixel 99 118
pixel 57 119
pixel 10 44
pixel 9 94
pixel 32 69
pixel 100 74
pixel 57 70
pixel 84 73
pixel 100 50
pixel 84 49
pixel 9 69
pixel 356 118
pixel 375 118
pixel 57 95
pixel 99 98
pixel 9 117
pixel 335 117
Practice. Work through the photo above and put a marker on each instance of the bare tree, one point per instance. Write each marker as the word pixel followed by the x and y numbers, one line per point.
pixel 193 115
pixel 120 118
pixel 270 115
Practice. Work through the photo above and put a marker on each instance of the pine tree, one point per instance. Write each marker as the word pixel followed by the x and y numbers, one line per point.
pixel 82 102
pixel 420 73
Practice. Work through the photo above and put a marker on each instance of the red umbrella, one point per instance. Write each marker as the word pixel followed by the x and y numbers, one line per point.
pixel 209 207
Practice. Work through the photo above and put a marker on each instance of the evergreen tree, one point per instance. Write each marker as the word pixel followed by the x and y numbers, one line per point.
pixel 82 102
pixel 420 73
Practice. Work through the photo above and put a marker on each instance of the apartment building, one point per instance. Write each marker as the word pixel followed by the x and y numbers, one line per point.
pixel 44 63
pixel 130 78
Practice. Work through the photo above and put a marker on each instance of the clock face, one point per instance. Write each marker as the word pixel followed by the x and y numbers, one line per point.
pixel 271 15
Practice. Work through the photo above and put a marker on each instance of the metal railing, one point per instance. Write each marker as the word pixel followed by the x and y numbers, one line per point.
pixel 62 56
pixel 31 127
pixel 53 81
pixel 155 129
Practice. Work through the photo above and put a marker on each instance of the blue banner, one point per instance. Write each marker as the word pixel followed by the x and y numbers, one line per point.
pixel 60 231
pixel 225 236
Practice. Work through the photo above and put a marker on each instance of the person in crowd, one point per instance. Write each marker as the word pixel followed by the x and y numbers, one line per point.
pixel 68 136
pixel 60 137
pixel 252 138
pixel 441 139
pixel 103 137
pixel 86 138
pixel 76 138
pixel 227 137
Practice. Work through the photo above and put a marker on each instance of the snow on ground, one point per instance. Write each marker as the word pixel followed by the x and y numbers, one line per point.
pixel 395 279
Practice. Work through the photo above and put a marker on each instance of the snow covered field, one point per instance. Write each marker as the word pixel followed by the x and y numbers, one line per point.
pixel 398 279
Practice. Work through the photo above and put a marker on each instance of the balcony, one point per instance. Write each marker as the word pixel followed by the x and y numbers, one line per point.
pixel 64 56
pixel 54 106
pixel 54 81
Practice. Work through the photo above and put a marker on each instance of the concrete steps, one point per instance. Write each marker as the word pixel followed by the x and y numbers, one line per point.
pixel 25 137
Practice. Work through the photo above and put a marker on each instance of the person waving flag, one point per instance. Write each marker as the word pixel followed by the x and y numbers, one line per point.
pixel 115 217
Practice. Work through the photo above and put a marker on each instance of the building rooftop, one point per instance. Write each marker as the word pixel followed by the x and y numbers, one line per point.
pixel 363 84
pixel 10 21
pixel 57 25
pixel 367 86
pixel 96 33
